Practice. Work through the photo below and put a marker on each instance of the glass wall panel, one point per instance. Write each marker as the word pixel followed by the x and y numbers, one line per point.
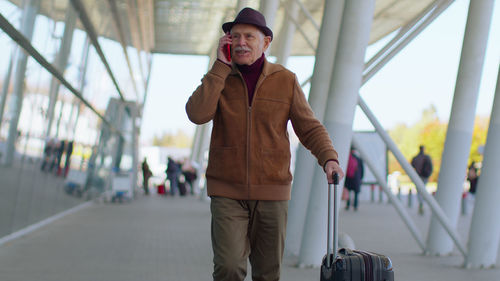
pixel 32 185
pixel 107 28
pixel 79 52
pixel 99 88
pixel 118 64
pixel 74 162
pixel 139 76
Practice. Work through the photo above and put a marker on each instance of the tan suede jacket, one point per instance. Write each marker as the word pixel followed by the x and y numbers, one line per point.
pixel 249 157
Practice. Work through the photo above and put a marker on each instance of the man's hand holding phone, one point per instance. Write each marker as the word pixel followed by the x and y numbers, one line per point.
pixel 224 50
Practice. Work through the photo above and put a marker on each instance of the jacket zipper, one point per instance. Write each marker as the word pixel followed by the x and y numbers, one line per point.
pixel 249 122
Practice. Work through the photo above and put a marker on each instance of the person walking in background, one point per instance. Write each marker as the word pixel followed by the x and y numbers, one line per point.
pixel 250 101
pixel 422 164
pixel 189 173
pixel 146 174
pixel 173 172
pixel 60 151
pixel 57 149
pixel 67 161
pixel 48 154
pixel 472 177
pixel 353 178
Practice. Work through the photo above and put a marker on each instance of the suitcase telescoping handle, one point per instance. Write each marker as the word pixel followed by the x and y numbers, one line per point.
pixel 333 206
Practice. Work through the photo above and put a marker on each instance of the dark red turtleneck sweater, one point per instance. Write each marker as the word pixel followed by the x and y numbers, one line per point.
pixel 251 74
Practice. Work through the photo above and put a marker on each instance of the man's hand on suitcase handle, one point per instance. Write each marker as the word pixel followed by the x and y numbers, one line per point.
pixel 331 168
pixel 335 177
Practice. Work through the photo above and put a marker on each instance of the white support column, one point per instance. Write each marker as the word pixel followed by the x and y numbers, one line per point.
pixel 60 63
pixel 16 101
pixel 202 137
pixel 134 145
pixel 339 116
pixel 287 31
pixel 241 4
pixel 195 154
pixel 305 162
pixel 484 232
pixel 461 124
pixel 269 9
pixel 198 134
pixel 206 131
pixel 195 145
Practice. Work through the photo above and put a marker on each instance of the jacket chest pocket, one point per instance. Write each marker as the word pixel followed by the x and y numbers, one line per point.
pixel 271 113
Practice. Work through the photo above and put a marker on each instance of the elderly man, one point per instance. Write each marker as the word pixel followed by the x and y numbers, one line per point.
pixel 250 102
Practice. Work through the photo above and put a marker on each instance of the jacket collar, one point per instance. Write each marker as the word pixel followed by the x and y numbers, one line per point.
pixel 268 68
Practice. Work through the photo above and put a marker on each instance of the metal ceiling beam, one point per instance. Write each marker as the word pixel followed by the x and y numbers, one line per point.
pixel 89 28
pixel 212 53
pixel 307 14
pixel 146 32
pixel 389 5
pixel 118 25
pixel 146 23
pixel 391 15
pixel 136 35
pixel 402 39
pixel 151 22
pixel 402 33
pixel 142 28
pixel 299 28
pixel 409 32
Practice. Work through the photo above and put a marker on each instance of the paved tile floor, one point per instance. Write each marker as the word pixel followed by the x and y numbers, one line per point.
pixel 164 238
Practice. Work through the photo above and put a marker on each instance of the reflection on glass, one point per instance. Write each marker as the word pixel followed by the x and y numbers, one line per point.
pixel 63 153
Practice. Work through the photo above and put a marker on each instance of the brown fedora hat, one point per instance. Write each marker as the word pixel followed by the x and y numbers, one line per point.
pixel 249 16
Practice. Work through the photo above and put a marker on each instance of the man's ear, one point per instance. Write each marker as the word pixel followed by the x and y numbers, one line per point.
pixel 267 42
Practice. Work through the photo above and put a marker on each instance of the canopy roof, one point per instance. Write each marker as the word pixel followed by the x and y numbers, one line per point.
pixel 193 26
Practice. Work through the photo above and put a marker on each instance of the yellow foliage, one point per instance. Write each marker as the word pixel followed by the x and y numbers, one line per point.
pixel 431 132
pixel 180 140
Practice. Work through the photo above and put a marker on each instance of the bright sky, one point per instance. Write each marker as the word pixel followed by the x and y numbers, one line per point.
pixel 421 75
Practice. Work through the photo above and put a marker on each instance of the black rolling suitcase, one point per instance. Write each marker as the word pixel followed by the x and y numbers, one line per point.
pixel 347 264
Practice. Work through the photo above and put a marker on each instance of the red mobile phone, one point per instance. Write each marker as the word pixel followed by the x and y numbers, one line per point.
pixel 228 52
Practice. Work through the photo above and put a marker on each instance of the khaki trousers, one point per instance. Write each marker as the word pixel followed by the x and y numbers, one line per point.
pixel 244 229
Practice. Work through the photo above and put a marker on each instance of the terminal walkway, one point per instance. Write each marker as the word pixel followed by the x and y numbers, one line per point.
pixel 168 238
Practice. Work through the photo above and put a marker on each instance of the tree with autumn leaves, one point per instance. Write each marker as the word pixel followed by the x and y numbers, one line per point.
pixel 431 132
pixel 178 139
